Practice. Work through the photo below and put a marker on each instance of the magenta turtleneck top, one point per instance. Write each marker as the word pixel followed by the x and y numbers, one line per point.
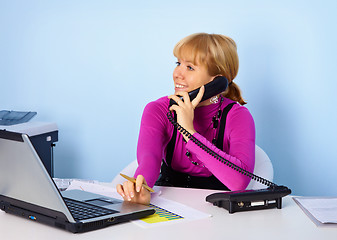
pixel 239 143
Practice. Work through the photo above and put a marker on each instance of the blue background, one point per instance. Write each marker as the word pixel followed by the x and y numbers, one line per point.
pixel 91 67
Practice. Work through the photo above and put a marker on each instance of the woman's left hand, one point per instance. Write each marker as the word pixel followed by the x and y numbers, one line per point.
pixel 185 109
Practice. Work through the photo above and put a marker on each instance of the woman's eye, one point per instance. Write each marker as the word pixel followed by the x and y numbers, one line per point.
pixel 190 68
pixel 178 63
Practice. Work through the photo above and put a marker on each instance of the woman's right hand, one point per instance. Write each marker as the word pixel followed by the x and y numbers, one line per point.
pixel 135 192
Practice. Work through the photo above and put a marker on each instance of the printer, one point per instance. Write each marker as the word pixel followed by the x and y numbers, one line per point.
pixel 43 137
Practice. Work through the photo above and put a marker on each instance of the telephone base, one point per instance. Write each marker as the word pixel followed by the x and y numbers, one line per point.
pixel 248 200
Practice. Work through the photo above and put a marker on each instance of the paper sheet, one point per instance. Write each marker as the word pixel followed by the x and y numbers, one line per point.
pixel 320 210
pixel 167 211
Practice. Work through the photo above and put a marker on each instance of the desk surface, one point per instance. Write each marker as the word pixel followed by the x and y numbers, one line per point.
pixel 290 222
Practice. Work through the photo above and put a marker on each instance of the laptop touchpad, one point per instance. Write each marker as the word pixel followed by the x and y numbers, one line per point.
pixel 102 201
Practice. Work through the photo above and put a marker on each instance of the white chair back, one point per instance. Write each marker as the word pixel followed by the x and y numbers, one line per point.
pixel 129 170
pixel 263 168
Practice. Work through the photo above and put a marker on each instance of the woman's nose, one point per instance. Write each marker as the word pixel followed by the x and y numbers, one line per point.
pixel 178 73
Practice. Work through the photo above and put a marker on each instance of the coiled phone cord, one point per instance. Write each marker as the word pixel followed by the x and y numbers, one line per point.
pixel 217 156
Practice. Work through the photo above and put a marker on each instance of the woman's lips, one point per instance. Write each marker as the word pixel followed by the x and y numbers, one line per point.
pixel 180 87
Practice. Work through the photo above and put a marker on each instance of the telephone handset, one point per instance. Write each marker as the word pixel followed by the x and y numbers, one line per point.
pixel 216 86
pixel 236 201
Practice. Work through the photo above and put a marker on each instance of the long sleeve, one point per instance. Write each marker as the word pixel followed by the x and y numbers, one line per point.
pixel 239 148
pixel 155 133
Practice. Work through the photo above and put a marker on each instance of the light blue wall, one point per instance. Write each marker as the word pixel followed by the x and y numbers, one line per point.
pixel 91 66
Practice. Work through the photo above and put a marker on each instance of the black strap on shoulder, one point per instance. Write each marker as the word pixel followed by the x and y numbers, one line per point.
pixel 219 142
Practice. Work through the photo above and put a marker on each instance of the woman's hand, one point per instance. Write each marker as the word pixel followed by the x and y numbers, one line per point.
pixel 185 109
pixel 135 192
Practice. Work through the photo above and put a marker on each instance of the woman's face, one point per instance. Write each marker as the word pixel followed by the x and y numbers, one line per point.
pixel 187 76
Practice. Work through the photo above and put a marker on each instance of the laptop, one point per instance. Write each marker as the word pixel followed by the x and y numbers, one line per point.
pixel 27 190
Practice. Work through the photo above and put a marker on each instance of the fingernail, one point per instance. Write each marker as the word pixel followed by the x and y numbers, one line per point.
pixel 138 189
pixel 132 194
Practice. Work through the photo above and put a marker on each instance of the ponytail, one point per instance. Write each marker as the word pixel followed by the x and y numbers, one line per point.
pixel 233 92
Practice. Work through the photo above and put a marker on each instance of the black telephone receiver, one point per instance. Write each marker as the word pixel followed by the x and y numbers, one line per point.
pixel 216 86
pixel 238 200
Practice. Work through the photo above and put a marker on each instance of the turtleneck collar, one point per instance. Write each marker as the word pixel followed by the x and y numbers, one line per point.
pixel 207 112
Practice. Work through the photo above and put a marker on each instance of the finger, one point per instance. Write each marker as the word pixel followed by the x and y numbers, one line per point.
pixel 131 188
pixel 119 189
pixel 199 96
pixel 139 182
pixel 182 95
pixel 128 190
pixel 185 96
pixel 176 99
pixel 174 108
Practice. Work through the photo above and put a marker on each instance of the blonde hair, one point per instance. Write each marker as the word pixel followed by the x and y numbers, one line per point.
pixel 218 53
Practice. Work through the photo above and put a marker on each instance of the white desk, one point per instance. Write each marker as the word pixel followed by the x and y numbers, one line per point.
pixel 287 223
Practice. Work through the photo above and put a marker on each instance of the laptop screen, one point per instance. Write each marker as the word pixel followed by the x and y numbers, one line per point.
pixel 23 176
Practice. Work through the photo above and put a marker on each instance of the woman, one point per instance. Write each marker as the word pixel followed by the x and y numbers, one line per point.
pixel 167 157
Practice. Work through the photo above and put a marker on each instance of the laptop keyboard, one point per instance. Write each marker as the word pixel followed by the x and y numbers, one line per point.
pixel 81 210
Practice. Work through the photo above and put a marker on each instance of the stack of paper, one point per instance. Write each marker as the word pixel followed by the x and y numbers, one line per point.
pixel 320 210
pixel 63 183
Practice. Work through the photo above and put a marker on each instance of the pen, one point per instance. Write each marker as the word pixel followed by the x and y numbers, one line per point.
pixel 132 179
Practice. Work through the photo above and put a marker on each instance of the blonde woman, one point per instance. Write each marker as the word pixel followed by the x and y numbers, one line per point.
pixel 168 158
